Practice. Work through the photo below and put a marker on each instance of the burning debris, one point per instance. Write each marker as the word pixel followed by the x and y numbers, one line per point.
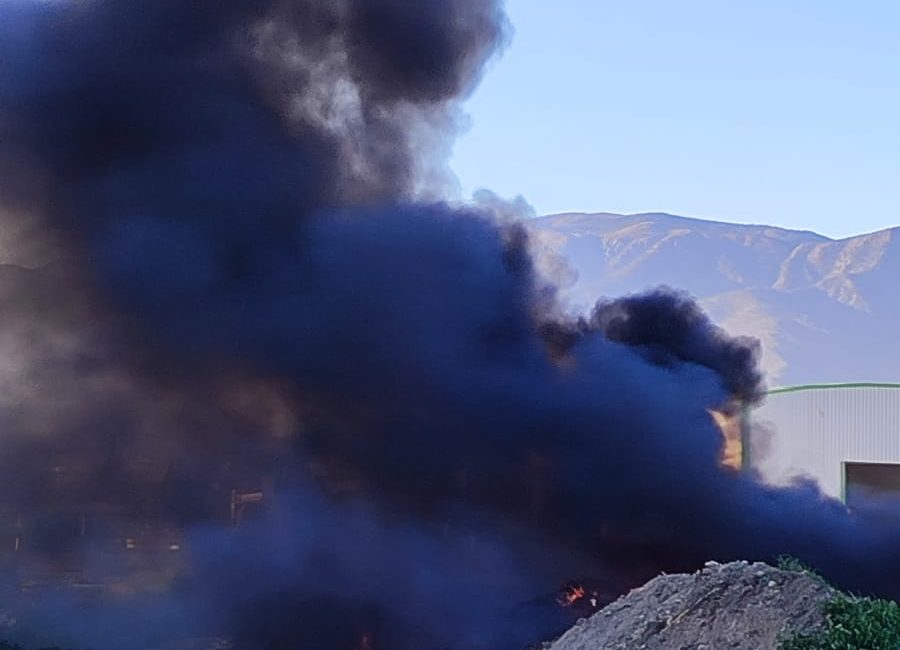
pixel 249 286
pixel 571 595
pixel 582 598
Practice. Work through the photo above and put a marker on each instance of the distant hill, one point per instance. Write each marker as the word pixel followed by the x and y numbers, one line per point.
pixel 825 310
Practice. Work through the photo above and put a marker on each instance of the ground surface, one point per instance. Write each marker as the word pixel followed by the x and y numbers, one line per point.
pixel 737 606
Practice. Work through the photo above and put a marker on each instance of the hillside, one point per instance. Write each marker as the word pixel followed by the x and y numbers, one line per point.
pixel 825 310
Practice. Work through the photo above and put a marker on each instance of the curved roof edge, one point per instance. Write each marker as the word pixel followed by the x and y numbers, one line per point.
pixel 858 384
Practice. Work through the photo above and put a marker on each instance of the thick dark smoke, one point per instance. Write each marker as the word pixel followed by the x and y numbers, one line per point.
pixel 258 288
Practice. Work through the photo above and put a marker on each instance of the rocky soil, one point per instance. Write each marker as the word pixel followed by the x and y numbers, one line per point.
pixel 736 606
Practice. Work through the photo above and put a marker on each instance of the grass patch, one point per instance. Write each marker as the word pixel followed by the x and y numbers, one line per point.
pixel 790 563
pixel 852 624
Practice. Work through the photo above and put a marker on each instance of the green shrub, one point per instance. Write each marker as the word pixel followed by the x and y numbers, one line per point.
pixel 790 563
pixel 852 624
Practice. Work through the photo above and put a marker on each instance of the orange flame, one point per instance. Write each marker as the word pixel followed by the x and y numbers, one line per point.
pixel 733 450
pixel 571 595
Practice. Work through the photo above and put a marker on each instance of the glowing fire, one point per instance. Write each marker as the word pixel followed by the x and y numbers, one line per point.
pixel 571 595
pixel 577 595
pixel 730 426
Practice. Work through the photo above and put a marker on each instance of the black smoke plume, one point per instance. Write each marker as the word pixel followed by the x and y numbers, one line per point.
pixel 255 286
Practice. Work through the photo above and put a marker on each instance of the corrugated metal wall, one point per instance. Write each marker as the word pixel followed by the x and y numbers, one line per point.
pixel 812 431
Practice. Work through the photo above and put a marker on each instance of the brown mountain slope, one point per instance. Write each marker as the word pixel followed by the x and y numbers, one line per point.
pixel 825 310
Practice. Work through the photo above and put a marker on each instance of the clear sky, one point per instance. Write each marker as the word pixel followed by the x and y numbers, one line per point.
pixel 763 111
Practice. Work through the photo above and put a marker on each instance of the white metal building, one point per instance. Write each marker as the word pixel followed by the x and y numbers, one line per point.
pixel 845 436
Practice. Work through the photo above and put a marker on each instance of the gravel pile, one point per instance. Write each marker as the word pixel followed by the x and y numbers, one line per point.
pixel 736 606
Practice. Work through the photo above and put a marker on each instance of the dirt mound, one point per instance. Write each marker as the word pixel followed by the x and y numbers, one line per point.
pixel 736 606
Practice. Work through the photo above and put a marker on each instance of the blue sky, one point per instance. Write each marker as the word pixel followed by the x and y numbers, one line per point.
pixel 784 112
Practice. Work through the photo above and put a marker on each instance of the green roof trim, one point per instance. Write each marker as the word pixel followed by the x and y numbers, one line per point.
pixel 860 384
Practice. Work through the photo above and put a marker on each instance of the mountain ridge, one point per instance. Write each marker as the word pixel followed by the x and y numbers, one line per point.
pixel 701 220
pixel 824 309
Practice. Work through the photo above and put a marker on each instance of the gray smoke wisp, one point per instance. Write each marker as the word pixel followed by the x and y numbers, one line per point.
pixel 257 288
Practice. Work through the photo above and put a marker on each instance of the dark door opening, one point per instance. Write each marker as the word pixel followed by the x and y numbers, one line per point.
pixel 862 479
